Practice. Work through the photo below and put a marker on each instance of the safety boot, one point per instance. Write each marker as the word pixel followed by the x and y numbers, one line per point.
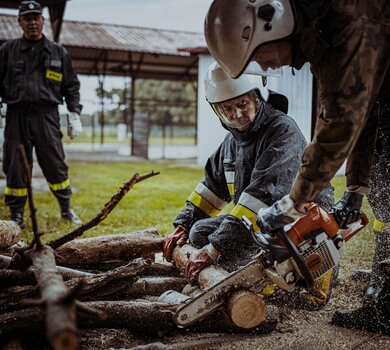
pixel 374 314
pixel 17 216
pixel 67 213
pixel 382 252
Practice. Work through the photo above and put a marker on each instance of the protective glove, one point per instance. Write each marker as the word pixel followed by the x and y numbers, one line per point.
pixel 347 209
pixel 178 237
pixel 195 264
pixel 74 125
pixel 278 215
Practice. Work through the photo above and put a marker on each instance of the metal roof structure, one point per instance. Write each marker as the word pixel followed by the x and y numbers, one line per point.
pixel 119 50
pixel 56 11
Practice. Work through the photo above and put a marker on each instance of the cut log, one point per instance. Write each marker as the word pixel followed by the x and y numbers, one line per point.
pixel 143 317
pixel 113 284
pixel 10 234
pixel 154 286
pixel 104 250
pixel 246 309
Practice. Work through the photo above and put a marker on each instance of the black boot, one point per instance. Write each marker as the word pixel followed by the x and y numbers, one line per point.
pixel 374 314
pixel 67 213
pixel 71 216
pixel 382 251
pixel 17 216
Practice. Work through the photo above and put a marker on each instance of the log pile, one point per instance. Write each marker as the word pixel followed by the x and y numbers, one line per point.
pixel 105 282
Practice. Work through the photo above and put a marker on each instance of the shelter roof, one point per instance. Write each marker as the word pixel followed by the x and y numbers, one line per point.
pixel 109 49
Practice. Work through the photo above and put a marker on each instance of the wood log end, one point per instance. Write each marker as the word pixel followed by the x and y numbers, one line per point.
pixel 246 309
pixel 66 340
pixel 10 233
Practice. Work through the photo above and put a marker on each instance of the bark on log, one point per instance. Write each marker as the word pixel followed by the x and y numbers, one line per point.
pixel 16 277
pixel 143 317
pixel 246 309
pixel 154 286
pixel 10 234
pixel 61 327
pixel 91 252
pixel 110 285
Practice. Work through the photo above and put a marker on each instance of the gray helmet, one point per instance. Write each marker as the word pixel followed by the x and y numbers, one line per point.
pixel 234 29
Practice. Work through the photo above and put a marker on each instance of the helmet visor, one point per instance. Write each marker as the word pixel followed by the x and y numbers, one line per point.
pixel 239 112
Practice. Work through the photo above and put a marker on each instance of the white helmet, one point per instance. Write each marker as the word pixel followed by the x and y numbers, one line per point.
pixel 221 89
pixel 234 29
pixel 219 86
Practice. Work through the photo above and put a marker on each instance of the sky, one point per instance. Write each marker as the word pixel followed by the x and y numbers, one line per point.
pixel 183 15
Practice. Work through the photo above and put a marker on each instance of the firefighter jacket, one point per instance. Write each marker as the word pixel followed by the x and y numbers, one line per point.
pixel 348 46
pixel 253 170
pixel 46 77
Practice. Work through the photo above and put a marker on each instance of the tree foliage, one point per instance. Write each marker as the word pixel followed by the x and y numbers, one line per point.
pixel 165 102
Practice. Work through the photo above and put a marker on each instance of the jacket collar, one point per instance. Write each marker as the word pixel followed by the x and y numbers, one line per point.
pixel 26 44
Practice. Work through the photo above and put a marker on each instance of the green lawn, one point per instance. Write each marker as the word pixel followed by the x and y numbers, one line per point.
pixel 152 203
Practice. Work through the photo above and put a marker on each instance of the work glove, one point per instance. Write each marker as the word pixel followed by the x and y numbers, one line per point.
pixel 178 237
pixel 347 209
pixel 278 215
pixel 74 125
pixel 195 264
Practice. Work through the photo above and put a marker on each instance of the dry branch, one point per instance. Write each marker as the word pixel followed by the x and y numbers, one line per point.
pixel 60 312
pixel 108 207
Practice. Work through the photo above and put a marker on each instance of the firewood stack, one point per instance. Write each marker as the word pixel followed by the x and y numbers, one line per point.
pixel 112 281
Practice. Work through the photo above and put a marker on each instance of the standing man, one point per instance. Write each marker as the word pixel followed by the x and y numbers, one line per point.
pixel 36 74
pixel 348 46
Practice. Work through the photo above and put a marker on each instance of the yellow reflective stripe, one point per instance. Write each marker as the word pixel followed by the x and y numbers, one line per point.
pixel 59 186
pixel 197 200
pixel 250 202
pixel 210 196
pixel 239 211
pixel 231 189
pixel 17 192
pixel 380 225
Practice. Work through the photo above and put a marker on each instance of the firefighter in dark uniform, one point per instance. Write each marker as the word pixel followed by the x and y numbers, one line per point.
pixel 35 76
pixel 348 46
pixel 253 167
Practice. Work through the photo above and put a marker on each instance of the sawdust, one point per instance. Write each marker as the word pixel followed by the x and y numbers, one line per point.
pixel 296 330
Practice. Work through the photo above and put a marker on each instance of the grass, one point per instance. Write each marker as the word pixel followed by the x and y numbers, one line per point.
pixel 154 202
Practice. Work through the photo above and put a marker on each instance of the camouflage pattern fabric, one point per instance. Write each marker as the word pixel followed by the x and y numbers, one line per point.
pixel 349 52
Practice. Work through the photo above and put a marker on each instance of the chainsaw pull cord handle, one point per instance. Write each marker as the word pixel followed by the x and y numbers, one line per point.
pixel 309 280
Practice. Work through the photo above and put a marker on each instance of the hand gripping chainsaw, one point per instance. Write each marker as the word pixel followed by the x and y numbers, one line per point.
pixel 291 258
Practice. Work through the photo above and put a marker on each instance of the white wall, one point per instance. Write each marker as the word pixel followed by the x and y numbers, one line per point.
pixel 210 131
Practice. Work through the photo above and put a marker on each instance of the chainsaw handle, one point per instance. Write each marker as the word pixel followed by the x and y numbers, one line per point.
pixel 308 278
pixel 354 228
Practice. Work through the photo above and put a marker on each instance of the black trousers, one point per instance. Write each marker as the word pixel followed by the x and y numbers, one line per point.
pixel 34 127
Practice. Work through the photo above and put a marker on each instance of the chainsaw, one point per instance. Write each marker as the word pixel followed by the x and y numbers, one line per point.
pixel 294 257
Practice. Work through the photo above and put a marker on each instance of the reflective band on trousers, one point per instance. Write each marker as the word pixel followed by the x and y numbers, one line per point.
pixel 60 186
pixel 381 225
pixel 17 192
